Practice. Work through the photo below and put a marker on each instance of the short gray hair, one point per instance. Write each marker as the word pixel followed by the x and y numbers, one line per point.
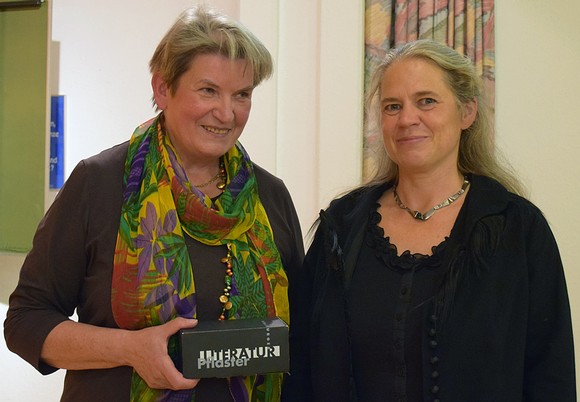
pixel 199 30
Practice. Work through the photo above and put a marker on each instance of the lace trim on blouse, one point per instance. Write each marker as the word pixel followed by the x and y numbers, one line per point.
pixel 388 253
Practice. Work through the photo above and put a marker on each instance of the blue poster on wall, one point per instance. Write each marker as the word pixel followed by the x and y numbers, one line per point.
pixel 56 142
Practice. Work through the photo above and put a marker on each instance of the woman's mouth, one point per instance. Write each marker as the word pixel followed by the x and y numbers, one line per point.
pixel 216 130
pixel 412 139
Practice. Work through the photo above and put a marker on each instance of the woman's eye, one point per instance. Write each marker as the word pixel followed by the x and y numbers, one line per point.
pixel 427 101
pixel 245 95
pixel 208 91
pixel 391 108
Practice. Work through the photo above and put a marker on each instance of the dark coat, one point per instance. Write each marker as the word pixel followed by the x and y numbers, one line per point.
pixel 71 262
pixel 499 329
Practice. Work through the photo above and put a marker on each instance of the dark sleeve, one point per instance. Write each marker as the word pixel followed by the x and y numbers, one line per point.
pixel 288 236
pixel 297 384
pixel 283 218
pixel 549 365
pixel 70 264
pixel 52 274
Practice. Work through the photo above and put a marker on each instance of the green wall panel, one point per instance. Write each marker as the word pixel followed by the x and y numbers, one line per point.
pixel 23 124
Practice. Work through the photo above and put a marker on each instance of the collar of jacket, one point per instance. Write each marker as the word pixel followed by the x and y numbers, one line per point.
pixel 346 219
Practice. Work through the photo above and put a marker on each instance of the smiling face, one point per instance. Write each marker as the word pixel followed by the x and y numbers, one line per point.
pixel 206 114
pixel 420 117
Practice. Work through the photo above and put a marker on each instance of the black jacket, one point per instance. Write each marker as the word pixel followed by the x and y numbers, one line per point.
pixel 499 329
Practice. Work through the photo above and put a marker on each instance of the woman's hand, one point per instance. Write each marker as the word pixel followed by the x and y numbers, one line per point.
pixel 77 346
pixel 147 354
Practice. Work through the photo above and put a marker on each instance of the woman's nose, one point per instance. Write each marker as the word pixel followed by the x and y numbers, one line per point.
pixel 224 110
pixel 408 116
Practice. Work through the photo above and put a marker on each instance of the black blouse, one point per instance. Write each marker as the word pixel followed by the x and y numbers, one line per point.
pixel 386 313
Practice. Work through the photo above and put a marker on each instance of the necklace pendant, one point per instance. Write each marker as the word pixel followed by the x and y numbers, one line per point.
pixel 221 185
pixel 427 214
pixel 419 216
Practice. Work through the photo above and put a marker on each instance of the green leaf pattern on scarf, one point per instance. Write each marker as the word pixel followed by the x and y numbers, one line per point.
pixel 153 276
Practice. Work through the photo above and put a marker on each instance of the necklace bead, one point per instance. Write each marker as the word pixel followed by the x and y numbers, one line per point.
pixel 225 297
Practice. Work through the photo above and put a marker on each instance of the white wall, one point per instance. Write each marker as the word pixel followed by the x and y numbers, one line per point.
pixel 101 60
pixel 104 49
pixel 538 117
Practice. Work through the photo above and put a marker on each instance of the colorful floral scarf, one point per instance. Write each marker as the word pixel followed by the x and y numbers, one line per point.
pixel 152 277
